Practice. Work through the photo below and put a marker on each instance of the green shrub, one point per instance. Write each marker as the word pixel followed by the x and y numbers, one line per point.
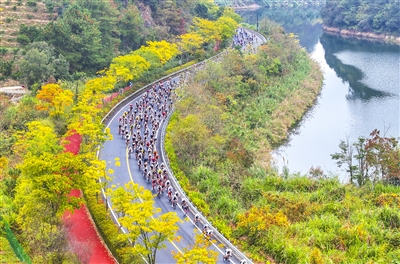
pixel 49 6
pixel 106 227
pixel 198 200
pixel 7 254
pixel 222 226
pixel 23 39
pixel 3 51
pixel 31 3
pixel 390 217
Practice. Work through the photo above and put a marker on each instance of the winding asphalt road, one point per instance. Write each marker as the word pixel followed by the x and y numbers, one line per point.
pixel 128 171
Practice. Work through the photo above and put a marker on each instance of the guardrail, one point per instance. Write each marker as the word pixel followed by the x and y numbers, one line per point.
pixel 217 235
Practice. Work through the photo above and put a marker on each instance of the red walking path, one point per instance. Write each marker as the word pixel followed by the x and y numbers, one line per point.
pixel 82 235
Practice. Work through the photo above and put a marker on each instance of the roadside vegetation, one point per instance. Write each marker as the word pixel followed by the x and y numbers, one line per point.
pixel 37 174
pixel 219 141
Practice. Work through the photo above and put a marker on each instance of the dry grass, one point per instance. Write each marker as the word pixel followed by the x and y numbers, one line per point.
pixel 293 107
pixel 17 12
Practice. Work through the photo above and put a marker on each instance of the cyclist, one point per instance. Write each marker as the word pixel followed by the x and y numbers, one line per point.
pixel 170 193
pixel 185 207
pixel 205 228
pixel 209 234
pixel 177 195
pixel 196 220
pixel 228 255
pixel 127 139
pixel 130 151
pixel 149 174
pixel 159 191
pixel 174 202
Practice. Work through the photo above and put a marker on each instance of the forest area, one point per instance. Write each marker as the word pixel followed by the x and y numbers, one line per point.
pixel 380 16
pixel 219 139
pixel 102 29
pixel 70 65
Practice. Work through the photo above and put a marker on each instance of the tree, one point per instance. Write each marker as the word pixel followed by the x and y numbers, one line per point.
pixel 36 66
pixel 171 17
pixel 362 169
pixel 190 137
pixel 163 49
pixel 147 231
pixel 206 28
pixel 379 154
pixel 383 155
pixel 40 63
pixel 32 32
pixel 128 67
pixel 106 16
pixel 201 11
pixel 198 253
pixel 130 25
pixel 345 157
pixel 190 42
pixel 54 99
pixel 77 37
pixel 47 177
pixel 227 27
pixel 150 55
pixel 61 68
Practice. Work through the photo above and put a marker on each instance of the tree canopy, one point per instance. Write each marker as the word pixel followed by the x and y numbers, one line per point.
pixel 381 16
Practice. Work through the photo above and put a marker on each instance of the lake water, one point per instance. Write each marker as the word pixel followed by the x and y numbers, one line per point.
pixel 361 92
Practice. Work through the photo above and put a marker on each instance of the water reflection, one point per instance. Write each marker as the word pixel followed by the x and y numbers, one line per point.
pixel 360 92
pixel 302 21
pixel 333 45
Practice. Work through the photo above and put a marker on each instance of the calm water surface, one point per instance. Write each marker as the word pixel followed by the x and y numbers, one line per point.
pixel 360 92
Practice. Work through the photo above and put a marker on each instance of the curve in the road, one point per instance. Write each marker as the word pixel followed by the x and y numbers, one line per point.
pixel 117 149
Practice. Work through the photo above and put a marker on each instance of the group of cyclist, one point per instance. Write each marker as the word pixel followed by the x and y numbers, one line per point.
pixel 139 125
pixel 243 38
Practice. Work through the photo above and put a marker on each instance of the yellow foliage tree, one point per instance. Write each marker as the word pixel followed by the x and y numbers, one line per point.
pixel 101 84
pixel 151 55
pixel 227 26
pixel 147 231
pixel 198 253
pixel 46 95
pixel 209 30
pixel 3 166
pixel 128 67
pixel 163 49
pixel 54 99
pixel 190 42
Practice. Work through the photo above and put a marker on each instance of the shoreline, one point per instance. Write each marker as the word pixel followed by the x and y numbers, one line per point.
pixel 247 7
pixel 346 33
